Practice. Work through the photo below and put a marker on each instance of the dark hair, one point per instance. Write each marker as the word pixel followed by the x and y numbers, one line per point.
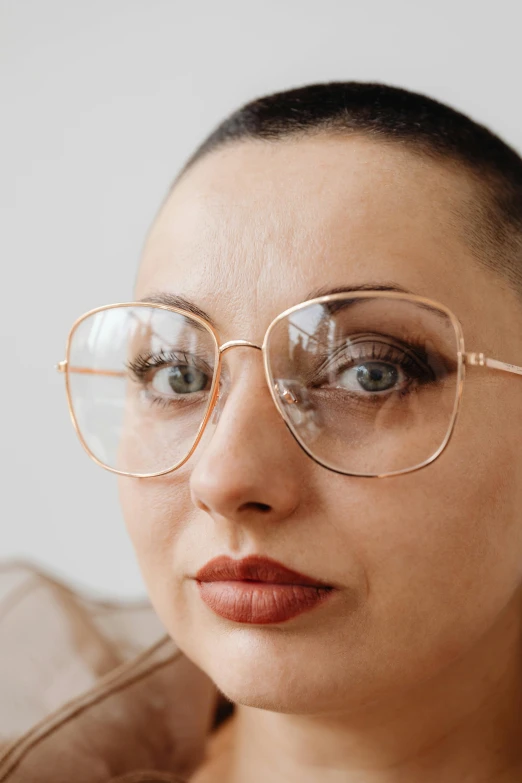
pixel 492 223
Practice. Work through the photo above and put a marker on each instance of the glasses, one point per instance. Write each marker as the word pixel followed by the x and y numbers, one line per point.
pixel 369 384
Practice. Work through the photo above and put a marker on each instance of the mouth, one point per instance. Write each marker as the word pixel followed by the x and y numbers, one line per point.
pixel 258 590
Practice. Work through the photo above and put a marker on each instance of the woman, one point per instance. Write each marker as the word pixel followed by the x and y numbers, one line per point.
pixel 330 528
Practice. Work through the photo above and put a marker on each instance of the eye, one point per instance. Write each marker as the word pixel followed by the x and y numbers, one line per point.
pixel 372 377
pixel 180 379
pixel 378 366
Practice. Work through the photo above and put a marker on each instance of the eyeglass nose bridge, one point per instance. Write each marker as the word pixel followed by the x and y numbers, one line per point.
pixel 285 394
pixel 220 399
pixel 238 344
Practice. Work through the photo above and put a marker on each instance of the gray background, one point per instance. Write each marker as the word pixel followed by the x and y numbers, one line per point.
pixel 101 102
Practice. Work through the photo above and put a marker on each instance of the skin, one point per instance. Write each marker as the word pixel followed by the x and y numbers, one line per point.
pixel 413 671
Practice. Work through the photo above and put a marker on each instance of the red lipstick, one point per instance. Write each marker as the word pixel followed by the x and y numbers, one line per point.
pixel 258 590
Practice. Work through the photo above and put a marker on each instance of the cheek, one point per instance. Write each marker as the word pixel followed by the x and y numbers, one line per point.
pixel 158 514
pixel 442 548
pixel 440 551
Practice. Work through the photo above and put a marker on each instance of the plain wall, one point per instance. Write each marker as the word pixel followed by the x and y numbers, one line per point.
pixel 101 103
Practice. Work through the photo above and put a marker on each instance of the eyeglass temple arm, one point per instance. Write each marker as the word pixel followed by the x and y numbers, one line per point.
pixel 474 359
pixel 63 367
pixel 480 360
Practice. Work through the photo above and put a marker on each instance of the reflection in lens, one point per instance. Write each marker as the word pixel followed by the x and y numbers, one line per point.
pixel 140 380
pixel 373 381
pixel 368 385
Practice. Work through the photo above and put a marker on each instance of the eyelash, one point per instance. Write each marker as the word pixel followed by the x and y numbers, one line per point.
pixel 142 365
pixel 382 352
pixel 392 355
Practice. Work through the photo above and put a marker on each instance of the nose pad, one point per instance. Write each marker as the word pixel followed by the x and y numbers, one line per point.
pixel 218 408
pixel 299 408
pixel 286 395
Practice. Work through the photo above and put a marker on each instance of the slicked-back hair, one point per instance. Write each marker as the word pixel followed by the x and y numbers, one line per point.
pixel 492 223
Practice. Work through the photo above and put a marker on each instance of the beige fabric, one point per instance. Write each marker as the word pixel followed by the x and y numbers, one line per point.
pixel 92 691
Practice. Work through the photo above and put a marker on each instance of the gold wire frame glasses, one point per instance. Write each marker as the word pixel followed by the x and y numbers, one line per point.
pixel 368 383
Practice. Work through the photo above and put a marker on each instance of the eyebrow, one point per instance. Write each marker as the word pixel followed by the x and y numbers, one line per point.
pixel 175 300
pixel 348 289
pixel 372 287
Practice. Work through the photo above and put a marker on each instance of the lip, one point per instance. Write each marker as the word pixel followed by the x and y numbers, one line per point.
pixel 258 590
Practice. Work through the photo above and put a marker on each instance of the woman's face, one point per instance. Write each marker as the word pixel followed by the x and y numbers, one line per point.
pixel 425 563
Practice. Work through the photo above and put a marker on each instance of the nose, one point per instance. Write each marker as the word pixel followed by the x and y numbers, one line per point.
pixel 249 467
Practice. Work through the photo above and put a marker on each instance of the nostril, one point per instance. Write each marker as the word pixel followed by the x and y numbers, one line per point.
pixel 254 506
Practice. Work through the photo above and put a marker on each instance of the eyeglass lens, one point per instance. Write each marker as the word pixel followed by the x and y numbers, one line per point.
pixel 367 385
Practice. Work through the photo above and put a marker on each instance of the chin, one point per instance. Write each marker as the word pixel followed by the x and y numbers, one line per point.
pixel 271 672
pixel 274 692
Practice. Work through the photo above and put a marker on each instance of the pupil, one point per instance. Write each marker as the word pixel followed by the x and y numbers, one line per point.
pixel 185 379
pixel 377 377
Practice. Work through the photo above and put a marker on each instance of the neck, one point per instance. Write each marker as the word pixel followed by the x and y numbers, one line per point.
pixel 464 724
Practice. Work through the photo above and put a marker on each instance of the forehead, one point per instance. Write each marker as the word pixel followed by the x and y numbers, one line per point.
pixel 253 227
